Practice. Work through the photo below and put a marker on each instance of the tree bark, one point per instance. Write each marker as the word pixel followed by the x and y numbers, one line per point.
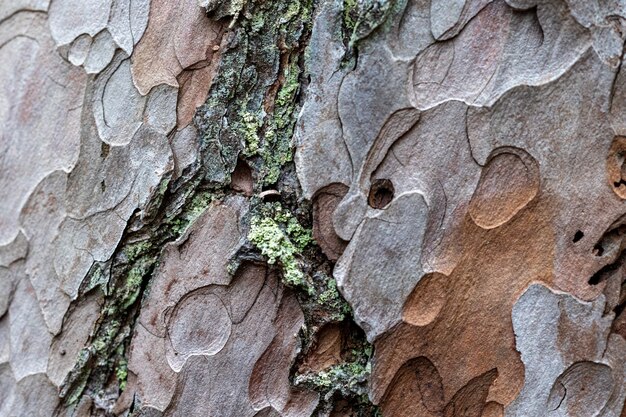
pixel 312 208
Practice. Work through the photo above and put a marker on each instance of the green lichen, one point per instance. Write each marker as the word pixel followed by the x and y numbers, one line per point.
pixel 72 392
pixel 343 376
pixel 122 281
pixel 269 135
pixel 97 277
pixel 134 250
pixel 301 236
pixel 129 292
pixel 106 338
pixel 278 148
pixel 287 92
pixel 252 105
pixel 348 378
pixel 121 370
pixel 249 129
pixel 350 14
pixel 257 22
pixel 295 9
pixel 333 302
pixel 236 8
pixel 274 244
pixel 199 203
pixel 280 238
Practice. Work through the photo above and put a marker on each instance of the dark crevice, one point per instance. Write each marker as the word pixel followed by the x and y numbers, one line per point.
pixel 611 245
pixel 606 271
pixel 562 398
pixel 598 249
pixel 611 241
pixel 619 183
pixel 619 309
pixel 248 69
pixel 577 236
pixel 105 148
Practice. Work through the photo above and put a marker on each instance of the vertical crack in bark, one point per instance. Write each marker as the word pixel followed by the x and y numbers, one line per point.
pixel 249 116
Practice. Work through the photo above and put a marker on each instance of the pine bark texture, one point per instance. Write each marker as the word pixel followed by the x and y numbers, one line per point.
pixel 256 208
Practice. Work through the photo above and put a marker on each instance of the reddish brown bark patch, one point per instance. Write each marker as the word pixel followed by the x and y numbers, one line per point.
pixel 325 202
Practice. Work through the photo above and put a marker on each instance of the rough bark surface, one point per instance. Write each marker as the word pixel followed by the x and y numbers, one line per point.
pixel 312 208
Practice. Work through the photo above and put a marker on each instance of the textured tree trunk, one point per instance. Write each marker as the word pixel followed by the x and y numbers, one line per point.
pixel 294 208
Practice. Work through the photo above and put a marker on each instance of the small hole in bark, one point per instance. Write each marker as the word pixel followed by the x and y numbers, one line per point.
pixel 381 193
pixel 577 236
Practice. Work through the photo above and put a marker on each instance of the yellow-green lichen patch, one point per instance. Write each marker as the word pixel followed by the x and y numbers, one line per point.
pixel 123 281
pixel 134 250
pixel 128 293
pixel 350 14
pixel 333 302
pixel 345 376
pixel 249 129
pixel 348 378
pixel 121 370
pixel 278 149
pixel 280 238
pixel 252 105
pixel 198 203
